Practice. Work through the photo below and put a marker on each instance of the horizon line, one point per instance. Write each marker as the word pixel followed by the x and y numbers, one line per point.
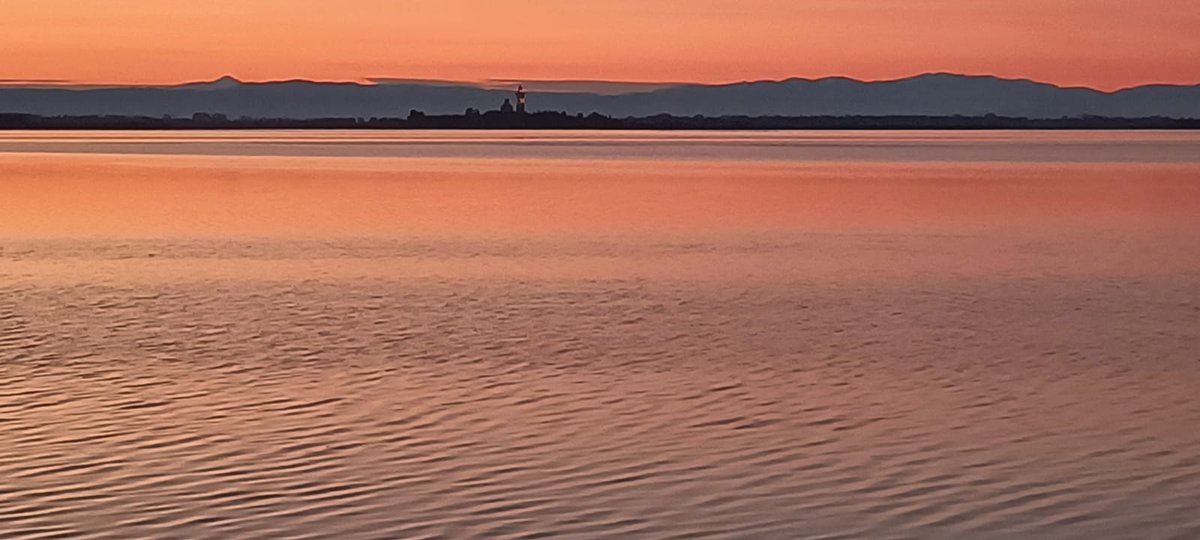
pixel 492 82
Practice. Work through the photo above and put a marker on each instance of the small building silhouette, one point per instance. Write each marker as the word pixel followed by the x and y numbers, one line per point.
pixel 507 107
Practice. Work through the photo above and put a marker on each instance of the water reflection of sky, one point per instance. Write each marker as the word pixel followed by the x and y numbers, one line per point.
pixel 1002 146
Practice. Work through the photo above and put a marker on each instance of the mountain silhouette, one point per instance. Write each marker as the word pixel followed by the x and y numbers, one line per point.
pixel 224 83
pixel 937 94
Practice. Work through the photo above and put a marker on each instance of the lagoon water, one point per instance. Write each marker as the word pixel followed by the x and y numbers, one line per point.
pixel 599 335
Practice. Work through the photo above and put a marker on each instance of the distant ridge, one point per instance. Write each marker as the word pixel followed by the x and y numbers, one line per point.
pixel 933 94
pixel 224 83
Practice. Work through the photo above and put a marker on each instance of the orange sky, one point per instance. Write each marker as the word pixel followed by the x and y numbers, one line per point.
pixel 1101 43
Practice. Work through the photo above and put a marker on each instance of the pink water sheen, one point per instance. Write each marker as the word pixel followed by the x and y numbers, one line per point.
pixel 599 335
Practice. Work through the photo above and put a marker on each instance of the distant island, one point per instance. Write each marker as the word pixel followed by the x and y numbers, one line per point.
pixel 496 120
pixel 518 116
pixel 931 100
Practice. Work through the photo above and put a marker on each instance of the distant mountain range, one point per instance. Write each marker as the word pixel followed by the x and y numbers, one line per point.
pixel 929 95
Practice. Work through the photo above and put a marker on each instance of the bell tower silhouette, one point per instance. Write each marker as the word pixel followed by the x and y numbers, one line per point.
pixel 521 99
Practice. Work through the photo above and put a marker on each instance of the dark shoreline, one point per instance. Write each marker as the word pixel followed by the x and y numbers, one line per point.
pixel 562 121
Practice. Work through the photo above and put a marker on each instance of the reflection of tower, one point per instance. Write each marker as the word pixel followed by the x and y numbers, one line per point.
pixel 521 99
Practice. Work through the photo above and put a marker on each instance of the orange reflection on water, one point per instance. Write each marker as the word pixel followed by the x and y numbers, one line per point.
pixel 70 196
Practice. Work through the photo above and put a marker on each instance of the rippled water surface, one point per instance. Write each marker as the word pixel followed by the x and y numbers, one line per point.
pixel 614 335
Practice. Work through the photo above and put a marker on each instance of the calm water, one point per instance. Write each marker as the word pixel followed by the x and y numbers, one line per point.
pixel 621 335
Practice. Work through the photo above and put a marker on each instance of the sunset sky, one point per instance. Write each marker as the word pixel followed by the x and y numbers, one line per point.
pixel 1106 44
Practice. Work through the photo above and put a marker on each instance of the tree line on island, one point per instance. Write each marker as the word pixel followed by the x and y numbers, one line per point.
pixel 476 119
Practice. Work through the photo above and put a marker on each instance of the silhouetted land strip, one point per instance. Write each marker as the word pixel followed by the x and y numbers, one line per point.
pixel 557 120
